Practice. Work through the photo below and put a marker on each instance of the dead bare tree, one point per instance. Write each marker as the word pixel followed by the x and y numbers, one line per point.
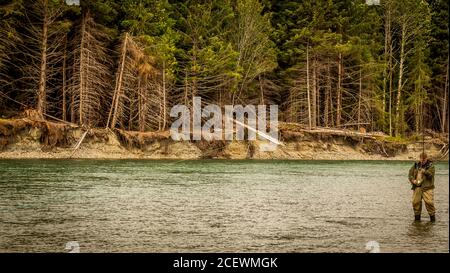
pixel 256 53
pixel 389 30
pixel 444 109
pixel 89 83
pixel 139 99
pixel 42 51
pixel 410 26
pixel 298 105
pixel 308 89
pixel 339 90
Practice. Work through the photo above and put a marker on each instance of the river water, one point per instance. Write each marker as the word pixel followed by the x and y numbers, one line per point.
pixel 215 206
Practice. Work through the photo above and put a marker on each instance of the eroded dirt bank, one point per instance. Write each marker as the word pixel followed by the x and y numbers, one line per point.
pixel 26 138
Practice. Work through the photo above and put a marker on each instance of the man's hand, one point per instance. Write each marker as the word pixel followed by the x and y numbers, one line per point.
pixel 419 179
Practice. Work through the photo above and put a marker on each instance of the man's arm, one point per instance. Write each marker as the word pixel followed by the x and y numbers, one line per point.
pixel 411 176
pixel 429 172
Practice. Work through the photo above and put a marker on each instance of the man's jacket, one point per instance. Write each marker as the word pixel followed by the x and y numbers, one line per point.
pixel 428 175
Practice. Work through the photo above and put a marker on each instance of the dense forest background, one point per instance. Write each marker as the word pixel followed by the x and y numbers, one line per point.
pixel 326 63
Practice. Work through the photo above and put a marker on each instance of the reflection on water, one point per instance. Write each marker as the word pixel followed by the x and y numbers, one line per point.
pixel 201 206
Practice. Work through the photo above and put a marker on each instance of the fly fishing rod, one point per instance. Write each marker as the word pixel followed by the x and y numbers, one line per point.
pixel 423 126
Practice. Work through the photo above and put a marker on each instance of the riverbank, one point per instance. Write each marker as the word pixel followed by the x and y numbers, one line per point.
pixel 27 138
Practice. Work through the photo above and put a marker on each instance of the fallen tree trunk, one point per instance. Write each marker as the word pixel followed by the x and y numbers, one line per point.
pixel 79 143
pixel 295 127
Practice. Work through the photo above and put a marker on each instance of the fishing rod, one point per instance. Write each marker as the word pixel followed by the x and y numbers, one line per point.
pixel 423 126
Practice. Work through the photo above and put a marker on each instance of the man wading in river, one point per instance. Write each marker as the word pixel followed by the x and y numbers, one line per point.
pixel 421 176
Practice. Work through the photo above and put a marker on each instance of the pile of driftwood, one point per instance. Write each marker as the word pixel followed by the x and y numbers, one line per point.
pixel 287 128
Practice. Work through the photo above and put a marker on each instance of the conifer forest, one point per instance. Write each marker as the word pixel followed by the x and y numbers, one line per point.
pixel 381 66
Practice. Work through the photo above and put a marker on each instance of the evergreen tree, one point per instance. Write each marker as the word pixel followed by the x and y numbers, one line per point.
pixel 327 63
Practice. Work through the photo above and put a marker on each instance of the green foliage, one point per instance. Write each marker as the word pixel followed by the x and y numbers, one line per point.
pixel 227 48
pixel 256 51
pixel 152 22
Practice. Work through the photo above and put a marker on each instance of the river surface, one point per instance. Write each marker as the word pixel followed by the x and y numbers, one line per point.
pixel 216 206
